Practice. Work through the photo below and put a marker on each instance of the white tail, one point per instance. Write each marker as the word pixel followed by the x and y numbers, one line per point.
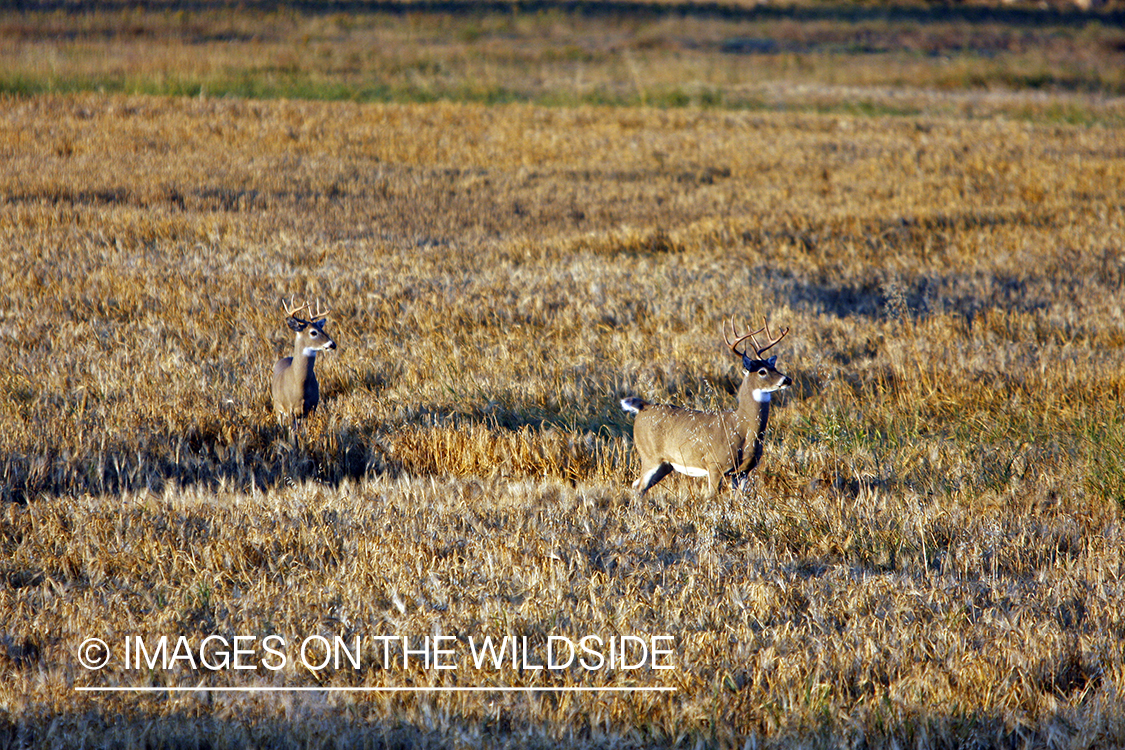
pixel 295 390
pixel 707 444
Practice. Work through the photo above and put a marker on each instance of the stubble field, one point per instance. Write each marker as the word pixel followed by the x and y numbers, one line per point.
pixel 930 554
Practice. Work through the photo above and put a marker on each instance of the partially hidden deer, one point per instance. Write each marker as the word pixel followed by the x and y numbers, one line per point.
pixel 710 444
pixel 295 390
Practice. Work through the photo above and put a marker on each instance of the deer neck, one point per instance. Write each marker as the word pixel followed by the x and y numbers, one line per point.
pixel 751 417
pixel 753 410
pixel 303 359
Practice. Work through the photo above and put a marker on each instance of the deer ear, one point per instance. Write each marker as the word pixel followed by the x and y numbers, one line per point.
pixel 771 360
pixel 297 324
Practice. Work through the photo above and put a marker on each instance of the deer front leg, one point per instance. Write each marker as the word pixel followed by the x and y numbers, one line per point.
pixel 650 475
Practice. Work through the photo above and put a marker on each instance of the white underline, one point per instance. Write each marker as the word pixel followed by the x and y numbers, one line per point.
pixel 501 689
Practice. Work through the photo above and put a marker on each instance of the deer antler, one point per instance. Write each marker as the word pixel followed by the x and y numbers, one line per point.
pixel 773 340
pixel 737 338
pixel 752 335
pixel 292 312
pixel 319 315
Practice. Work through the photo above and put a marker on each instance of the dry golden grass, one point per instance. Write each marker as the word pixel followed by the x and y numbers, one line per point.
pixel 931 553
pixel 911 58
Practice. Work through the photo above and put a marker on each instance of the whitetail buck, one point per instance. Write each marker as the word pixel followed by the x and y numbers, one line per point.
pixel 708 444
pixel 295 390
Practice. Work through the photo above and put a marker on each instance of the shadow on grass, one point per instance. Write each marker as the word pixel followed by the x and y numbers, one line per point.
pixel 322 725
pixel 241 455
pixel 246 458
pixel 198 729
pixel 886 295
pixel 869 290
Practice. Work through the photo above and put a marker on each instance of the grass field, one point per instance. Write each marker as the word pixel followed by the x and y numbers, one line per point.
pixel 930 555
pixel 872 58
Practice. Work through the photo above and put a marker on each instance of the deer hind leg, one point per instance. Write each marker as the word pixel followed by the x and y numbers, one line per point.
pixel 650 476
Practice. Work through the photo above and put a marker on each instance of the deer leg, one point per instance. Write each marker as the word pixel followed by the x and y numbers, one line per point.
pixel 714 481
pixel 651 476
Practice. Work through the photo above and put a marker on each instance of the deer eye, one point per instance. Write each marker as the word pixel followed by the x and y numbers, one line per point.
pixel 314 333
pixel 762 372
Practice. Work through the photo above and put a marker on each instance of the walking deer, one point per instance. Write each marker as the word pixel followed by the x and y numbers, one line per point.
pixel 708 444
pixel 295 390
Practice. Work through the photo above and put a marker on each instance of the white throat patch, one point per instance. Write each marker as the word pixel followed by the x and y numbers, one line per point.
pixel 310 352
pixel 762 397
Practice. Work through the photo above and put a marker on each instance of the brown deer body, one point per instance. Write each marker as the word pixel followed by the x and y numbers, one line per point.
pixel 714 445
pixel 295 390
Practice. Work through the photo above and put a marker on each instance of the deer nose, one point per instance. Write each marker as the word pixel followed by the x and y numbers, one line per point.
pixel 331 345
pixel 786 381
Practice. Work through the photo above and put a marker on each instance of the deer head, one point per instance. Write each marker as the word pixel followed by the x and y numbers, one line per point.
pixel 311 336
pixel 759 375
